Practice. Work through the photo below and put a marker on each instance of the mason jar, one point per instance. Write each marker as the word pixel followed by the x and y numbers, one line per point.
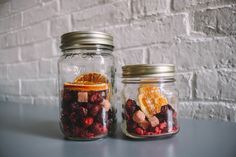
pixel 150 101
pixel 86 84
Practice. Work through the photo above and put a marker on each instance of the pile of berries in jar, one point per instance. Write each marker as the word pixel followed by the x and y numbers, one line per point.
pixel 151 116
pixel 86 112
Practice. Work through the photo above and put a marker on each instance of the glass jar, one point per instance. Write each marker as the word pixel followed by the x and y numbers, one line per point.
pixel 150 101
pixel 86 83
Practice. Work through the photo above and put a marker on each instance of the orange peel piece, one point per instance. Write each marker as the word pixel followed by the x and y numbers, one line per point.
pixel 91 77
pixel 151 100
pixel 86 86
pixel 94 78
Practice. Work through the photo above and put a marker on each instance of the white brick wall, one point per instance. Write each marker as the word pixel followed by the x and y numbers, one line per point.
pixel 198 36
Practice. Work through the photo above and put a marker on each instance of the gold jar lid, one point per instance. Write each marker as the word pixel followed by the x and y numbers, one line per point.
pixel 148 70
pixel 86 39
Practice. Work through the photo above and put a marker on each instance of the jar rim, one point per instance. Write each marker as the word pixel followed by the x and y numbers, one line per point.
pixel 86 39
pixel 148 71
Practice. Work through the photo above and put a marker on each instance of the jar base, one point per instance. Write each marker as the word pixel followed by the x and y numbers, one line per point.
pixel 85 139
pixel 160 136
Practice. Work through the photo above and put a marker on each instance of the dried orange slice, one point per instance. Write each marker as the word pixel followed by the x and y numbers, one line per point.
pixel 92 77
pixel 86 86
pixel 151 100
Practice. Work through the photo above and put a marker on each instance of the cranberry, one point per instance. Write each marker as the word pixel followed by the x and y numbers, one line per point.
pixel 88 121
pixel 98 128
pixel 163 125
pixel 74 106
pixel 94 110
pixel 130 106
pixel 157 130
pixel 161 117
pixel 139 131
pixel 77 131
pixel 131 125
pixel 82 111
pixel 66 95
pixel 88 134
pixel 130 102
pixel 95 97
pixel 73 117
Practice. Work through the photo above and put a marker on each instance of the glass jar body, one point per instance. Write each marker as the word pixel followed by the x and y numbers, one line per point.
pixel 150 109
pixel 86 79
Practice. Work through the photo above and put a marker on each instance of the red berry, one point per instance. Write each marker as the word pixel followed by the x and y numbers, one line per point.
pixel 73 117
pixel 131 125
pixel 82 111
pixel 157 130
pixel 94 110
pixel 89 134
pixel 95 97
pixel 139 131
pixel 163 125
pixel 75 106
pixel 88 121
pixel 98 128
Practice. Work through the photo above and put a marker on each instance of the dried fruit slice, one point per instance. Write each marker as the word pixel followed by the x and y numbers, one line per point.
pixel 151 100
pixel 92 77
pixel 86 86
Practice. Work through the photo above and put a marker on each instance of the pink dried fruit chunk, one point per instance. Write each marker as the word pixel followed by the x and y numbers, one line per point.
pixel 144 124
pixel 82 97
pixel 139 131
pixel 153 121
pixel 139 116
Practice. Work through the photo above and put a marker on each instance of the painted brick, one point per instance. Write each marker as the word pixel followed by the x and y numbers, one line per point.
pixel 149 30
pixel 182 5
pixel 184 85
pixel 125 57
pixel 4 9
pixel 207 85
pixel 44 49
pixel 40 13
pixel 162 53
pixel 31 33
pixel 78 4
pixel 39 87
pixel 9 87
pixel 101 16
pixel 220 21
pixel 23 70
pixel 60 25
pixel 8 39
pixel 17 5
pixel 10 22
pixel 10 55
pixel 48 101
pixel 3 71
pixel 215 53
pixel 19 99
pixel 149 7
pixel 45 68
pixel 227 85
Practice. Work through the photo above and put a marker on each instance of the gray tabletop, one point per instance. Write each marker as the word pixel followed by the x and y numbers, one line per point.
pixel 32 131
